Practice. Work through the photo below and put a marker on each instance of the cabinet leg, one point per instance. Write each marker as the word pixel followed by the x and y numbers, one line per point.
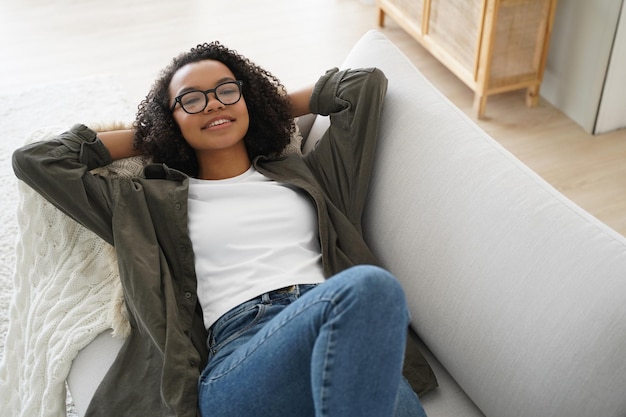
pixel 532 96
pixel 381 17
pixel 480 102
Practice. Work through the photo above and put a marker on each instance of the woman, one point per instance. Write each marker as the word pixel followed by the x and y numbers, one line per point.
pixel 249 287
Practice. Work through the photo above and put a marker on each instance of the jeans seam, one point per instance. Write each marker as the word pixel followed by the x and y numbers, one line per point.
pixel 325 388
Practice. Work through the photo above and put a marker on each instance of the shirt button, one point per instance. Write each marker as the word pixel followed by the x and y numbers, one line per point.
pixel 177 206
pixel 188 295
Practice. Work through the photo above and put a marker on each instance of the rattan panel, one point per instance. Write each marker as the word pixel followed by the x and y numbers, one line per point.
pixel 520 27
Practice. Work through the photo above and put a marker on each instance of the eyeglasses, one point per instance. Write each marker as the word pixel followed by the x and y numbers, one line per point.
pixel 195 101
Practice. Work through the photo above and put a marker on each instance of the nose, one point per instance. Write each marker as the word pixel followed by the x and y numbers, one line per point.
pixel 212 103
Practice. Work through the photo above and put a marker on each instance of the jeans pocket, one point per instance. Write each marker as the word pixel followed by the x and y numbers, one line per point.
pixel 233 325
pixel 230 332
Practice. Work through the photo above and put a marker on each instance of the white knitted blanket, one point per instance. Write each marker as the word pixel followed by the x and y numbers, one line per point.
pixel 58 281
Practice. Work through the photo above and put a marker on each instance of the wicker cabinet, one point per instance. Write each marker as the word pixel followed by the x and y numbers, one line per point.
pixel 493 46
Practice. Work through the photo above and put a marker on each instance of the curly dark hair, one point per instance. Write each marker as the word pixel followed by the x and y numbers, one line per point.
pixel 158 137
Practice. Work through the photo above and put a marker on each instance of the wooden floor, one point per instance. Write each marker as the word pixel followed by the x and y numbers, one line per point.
pixel 43 42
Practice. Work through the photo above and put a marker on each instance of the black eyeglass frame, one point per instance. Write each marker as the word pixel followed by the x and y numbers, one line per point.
pixel 178 99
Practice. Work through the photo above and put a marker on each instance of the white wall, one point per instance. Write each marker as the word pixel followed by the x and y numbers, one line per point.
pixel 612 113
pixel 580 49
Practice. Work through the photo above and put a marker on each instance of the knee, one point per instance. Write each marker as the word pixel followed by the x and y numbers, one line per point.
pixel 377 288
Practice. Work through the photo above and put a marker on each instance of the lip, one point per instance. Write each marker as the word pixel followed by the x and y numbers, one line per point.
pixel 211 121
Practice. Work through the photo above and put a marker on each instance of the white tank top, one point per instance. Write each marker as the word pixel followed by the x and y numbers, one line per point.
pixel 250 235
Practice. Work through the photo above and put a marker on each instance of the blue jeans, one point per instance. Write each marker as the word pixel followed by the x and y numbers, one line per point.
pixel 334 349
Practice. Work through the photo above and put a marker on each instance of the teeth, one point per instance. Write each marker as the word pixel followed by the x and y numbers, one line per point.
pixel 218 122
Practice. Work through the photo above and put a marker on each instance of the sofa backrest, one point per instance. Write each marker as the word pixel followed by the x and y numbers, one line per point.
pixel 517 291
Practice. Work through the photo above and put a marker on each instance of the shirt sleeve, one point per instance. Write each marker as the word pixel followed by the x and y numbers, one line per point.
pixel 343 159
pixel 59 170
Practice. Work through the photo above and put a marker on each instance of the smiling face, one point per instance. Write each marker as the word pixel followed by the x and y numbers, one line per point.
pixel 219 129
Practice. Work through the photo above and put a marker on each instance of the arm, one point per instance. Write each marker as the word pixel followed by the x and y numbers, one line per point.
pixel 343 159
pixel 58 170
pixel 300 101
pixel 119 143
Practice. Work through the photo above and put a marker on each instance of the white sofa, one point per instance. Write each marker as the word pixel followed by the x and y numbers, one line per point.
pixel 518 294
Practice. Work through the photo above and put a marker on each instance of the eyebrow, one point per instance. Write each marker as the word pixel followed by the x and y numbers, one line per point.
pixel 187 89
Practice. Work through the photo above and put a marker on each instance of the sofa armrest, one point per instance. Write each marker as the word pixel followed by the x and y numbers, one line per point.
pixel 517 291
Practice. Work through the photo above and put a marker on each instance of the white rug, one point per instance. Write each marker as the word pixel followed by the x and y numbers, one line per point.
pixel 99 99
